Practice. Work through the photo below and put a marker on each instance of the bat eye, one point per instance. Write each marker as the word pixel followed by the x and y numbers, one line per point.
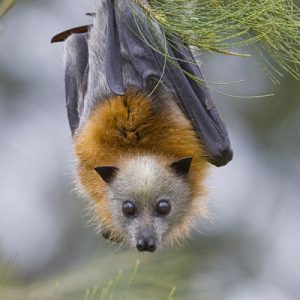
pixel 129 209
pixel 163 207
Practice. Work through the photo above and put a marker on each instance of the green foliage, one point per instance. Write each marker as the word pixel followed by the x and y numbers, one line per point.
pixel 139 282
pixel 110 292
pixel 119 277
pixel 269 27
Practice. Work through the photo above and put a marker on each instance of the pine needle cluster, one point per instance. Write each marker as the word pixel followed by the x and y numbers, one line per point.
pixel 267 29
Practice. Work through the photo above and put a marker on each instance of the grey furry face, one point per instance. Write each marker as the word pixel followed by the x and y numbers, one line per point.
pixel 147 199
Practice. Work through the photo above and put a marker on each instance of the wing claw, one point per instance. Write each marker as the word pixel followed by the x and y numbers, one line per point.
pixel 61 37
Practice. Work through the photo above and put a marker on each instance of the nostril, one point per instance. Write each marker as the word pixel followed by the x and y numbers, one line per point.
pixel 151 246
pixel 141 245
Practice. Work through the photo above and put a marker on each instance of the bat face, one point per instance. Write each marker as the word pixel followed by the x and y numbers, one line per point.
pixel 147 199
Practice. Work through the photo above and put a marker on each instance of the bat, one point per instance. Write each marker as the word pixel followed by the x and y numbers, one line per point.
pixel 144 130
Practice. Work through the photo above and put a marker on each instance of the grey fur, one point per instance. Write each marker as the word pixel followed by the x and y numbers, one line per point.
pixel 144 181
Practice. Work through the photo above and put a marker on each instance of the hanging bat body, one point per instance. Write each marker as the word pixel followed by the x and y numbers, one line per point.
pixel 144 132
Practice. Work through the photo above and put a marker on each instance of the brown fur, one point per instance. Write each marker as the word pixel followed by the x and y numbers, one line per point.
pixel 125 126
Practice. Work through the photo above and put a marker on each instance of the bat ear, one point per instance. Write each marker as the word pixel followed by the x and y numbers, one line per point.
pixel 107 173
pixel 182 167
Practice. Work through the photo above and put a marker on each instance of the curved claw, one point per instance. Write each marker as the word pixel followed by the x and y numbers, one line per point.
pixel 61 37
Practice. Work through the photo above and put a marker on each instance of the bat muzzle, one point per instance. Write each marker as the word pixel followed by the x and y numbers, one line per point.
pixel 146 242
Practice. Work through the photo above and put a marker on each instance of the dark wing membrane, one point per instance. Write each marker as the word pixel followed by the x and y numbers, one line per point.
pixel 196 101
pixel 193 98
pixel 76 76
pixel 113 59
pixel 132 29
pixel 61 37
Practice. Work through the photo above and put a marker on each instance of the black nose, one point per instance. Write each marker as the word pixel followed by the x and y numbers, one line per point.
pixel 145 244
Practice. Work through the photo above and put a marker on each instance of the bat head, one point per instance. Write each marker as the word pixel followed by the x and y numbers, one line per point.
pixel 147 198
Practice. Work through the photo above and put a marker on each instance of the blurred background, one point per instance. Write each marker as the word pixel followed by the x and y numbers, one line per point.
pixel 251 248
